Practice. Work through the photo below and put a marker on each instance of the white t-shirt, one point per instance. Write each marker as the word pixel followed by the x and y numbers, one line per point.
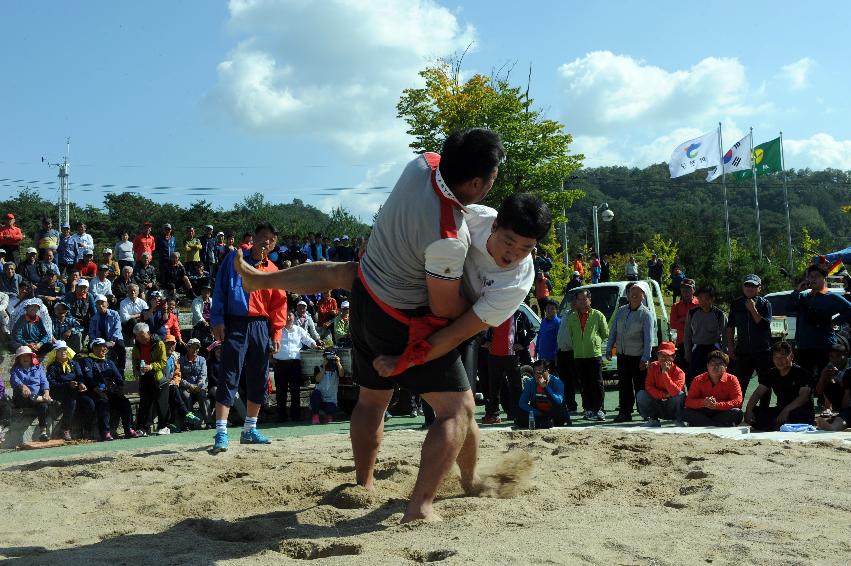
pixel 496 292
pixel 328 386
pixel 291 343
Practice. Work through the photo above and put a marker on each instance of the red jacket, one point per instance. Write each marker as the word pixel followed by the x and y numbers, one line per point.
pixel 142 244
pixel 86 269
pixel 679 312
pixel 727 392
pixel 664 385
pixel 10 236
pixel 327 309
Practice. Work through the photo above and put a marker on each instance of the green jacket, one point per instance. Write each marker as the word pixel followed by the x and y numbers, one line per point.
pixel 588 343
pixel 158 358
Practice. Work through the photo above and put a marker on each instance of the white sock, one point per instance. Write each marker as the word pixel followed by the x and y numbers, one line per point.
pixel 250 423
pixel 222 425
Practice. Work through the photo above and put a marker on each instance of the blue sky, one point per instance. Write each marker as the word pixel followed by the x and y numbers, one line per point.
pixel 291 98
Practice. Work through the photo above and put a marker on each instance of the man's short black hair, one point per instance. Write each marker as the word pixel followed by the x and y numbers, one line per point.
pixel 526 215
pixel 263 226
pixel 705 290
pixel 468 154
pixel 783 347
pixel 820 269
pixel 539 362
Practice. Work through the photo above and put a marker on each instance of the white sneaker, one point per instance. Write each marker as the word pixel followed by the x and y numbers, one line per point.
pixel 164 430
pixel 3 431
pixel 479 397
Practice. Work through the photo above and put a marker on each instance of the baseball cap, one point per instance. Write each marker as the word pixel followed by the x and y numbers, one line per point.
pixel 345 305
pixel 167 226
pixel 97 342
pixel 66 225
pixel 345 236
pixel 107 250
pixel 170 338
pixel 336 239
pixel 752 279
pixel 667 348
pixel 208 226
pixel 99 298
pixel 576 274
pixel 10 216
pixel 298 304
pixel 220 233
pixel 83 283
pixel 103 267
pixel 687 283
pixel 32 251
pixel 193 342
pixel 2 251
pixel 59 344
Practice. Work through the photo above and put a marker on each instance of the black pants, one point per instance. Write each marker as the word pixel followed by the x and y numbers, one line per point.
pixel 154 398
pixel 288 379
pixel 630 382
pixel 697 366
pixel 813 360
pixel 590 372
pixel 566 369
pixel 189 400
pixel 834 393
pixel 71 401
pixel 744 366
pixel 104 403
pixel 22 402
pixel 470 360
pixel 765 417
pixel 5 412
pixel 556 416
pixel 119 354
pixel 710 417
pixel 502 369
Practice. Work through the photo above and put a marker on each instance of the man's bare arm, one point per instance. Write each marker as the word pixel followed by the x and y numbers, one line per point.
pixel 314 277
pixel 444 297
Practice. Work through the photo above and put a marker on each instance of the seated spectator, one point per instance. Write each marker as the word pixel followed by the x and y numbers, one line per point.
pixel 101 285
pixel 10 281
pixel 173 273
pixel 791 384
pixel 201 313
pixel 5 412
pixel 86 266
pixel 113 270
pixel 145 275
pixel 73 277
pixel 833 376
pixel 326 312
pixel 11 237
pixel 66 252
pixel 149 364
pixel 50 289
pixel 67 386
pixel 199 278
pixel 172 322
pixel 193 380
pixel 842 420
pixel 715 397
pixel 342 338
pixel 663 396
pixel 323 399
pixel 121 284
pixel 303 319
pixel 32 331
pixel 81 304
pixel 30 388
pixel 66 328
pixel 131 310
pixel 106 324
pixel 28 268
pixel 47 264
pixel 542 395
pixel 173 375
pixel 105 386
pixel 82 240
pixel 124 251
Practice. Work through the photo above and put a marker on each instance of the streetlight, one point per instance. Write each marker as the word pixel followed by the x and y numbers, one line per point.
pixel 606 215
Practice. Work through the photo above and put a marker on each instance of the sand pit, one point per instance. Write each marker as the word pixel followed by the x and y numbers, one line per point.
pixel 554 497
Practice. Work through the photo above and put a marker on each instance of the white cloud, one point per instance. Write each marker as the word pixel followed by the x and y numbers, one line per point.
pixel 796 73
pixel 819 151
pixel 333 70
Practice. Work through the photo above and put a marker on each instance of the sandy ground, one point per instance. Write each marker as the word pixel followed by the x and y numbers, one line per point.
pixel 591 497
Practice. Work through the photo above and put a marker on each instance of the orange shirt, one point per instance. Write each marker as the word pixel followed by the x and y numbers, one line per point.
pixel 664 385
pixel 679 312
pixel 727 392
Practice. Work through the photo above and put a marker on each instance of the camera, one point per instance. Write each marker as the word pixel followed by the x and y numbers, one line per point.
pixel 330 355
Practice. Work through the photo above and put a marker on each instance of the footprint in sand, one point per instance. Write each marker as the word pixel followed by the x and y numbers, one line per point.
pixel 312 550
pixel 423 556
pixel 349 496
pixel 509 476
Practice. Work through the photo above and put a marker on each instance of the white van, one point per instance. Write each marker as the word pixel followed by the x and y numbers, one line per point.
pixel 783 324
pixel 607 297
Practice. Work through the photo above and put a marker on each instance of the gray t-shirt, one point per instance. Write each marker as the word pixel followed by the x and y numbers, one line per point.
pixel 420 231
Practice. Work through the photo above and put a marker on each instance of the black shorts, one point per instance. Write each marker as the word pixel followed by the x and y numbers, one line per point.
pixel 374 332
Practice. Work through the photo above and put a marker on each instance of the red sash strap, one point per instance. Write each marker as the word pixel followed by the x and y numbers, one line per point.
pixel 448 228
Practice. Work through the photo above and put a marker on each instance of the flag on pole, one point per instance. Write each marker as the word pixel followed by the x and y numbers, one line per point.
pixel 766 158
pixel 737 158
pixel 694 154
pixel 834 268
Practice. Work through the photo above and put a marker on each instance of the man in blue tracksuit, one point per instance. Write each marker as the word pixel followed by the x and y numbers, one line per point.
pixel 544 396
pixel 547 345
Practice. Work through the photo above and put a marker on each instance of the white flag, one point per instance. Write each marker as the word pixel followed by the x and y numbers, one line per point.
pixel 695 154
pixel 737 158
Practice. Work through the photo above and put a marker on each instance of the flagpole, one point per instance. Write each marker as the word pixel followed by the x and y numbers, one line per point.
pixel 786 203
pixel 726 210
pixel 756 199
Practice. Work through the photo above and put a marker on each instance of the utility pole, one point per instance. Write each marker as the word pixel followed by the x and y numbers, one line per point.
pixel 64 203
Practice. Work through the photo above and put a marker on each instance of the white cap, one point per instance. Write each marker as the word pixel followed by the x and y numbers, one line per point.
pixel 59 344
pixel 83 283
pixel 298 304
pixel 345 305
pixel 107 250
pixel 99 298
pixel 32 251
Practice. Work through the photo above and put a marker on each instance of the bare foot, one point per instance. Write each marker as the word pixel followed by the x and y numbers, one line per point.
pixel 252 279
pixel 833 424
pixel 423 512
pixel 474 486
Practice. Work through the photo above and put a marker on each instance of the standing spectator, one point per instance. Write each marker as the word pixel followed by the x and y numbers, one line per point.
pixel 326 312
pixel 66 328
pixel 47 237
pixel 706 331
pixel 130 310
pixel 10 238
pixel 631 269
pixel 30 388
pixel 121 285
pixel 10 282
pixel 106 324
pixel 714 398
pixel 541 261
pixel 101 285
pixel 149 363
pixel 66 252
pixel 655 269
pixel 124 251
pixel 632 333
pixel 663 396
pixel 605 270
pixel 323 399
pixel 679 314
pixel 503 374
pixel 303 319
pixel 579 266
pixel 547 345
pixel 86 266
pixel 791 384
pixel 588 329
pixel 193 380
pixel 247 241
pixel 192 248
pixel 113 269
pixel 317 250
pixel 221 249
pixel 677 278
pixel 28 269
pixel 341 335
pixel 105 383
pixel 543 287
pixel 145 275
pixel 68 387
pixel 288 369
pixel 144 242
pixel 565 368
pixel 544 396
pixel 165 246
pixel 596 269
pixel 345 252
pixel 82 241
pixel 749 333
pixel 575 281
pixel 817 313
pixel 209 257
